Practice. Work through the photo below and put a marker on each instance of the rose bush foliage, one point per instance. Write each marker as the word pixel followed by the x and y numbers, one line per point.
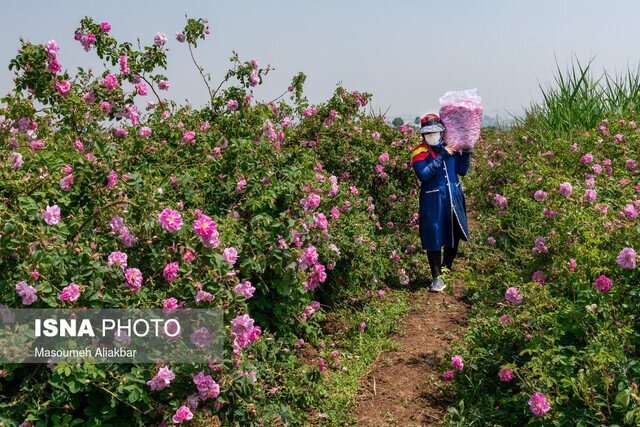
pixel 555 332
pixel 112 196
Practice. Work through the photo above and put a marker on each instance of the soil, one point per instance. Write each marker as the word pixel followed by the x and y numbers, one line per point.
pixel 401 388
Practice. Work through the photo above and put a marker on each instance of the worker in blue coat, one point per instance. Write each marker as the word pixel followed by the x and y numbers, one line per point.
pixel 442 214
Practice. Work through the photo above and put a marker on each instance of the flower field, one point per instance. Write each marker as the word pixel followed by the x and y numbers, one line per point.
pixel 299 221
pixel 555 332
pixel 274 212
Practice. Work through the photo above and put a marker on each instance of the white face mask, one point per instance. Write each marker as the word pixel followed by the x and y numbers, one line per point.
pixel 432 138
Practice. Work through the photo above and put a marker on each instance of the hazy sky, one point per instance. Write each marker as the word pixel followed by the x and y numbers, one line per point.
pixel 407 53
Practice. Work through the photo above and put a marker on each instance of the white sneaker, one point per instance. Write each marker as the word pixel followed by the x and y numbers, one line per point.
pixel 437 285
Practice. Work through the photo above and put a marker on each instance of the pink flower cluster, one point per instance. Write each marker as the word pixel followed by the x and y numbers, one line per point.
pixel 243 332
pixel 162 379
pixel 500 200
pixel 51 215
pixel 134 278
pixel 26 292
pixel 69 293
pixel 182 414
pixel 85 39
pixel 602 283
pixel 170 220
pixel 311 111
pixel 538 276
pixel 203 295
pixel 540 245
pixel 118 227
pixel 207 387
pixel 540 195
pixel 590 195
pixel 52 56
pixel 110 81
pixel 141 89
pixel 630 211
pixel 448 375
pixel 245 289
pixel 539 404
pixel 201 337
pixel 254 78
pixel 310 309
pixel 159 39
pixel 188 136
pixel 586 158
pixel 311 202
pixel 457 362
pixel 317 275
pixel 232 105
pixel 170 305
pixel 513 295
pixel 322 364
pixel 63 87
pixel 627 258
pixel 308 257
pixel 230 255
pixel 505 374
pixel 170 272
pixel 206 228
pixel 565 189
pixel 112 179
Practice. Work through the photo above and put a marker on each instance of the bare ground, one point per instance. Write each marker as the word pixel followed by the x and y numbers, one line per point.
pixel 401 386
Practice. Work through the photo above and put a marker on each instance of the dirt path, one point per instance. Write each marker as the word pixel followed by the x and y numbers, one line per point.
pixel 400 388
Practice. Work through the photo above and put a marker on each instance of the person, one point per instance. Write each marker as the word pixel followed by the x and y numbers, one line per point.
pixel 442 214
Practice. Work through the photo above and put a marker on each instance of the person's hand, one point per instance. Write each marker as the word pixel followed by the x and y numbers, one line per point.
pixel 450 150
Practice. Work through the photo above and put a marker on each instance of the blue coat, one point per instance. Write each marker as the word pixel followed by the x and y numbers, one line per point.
pixel 441 198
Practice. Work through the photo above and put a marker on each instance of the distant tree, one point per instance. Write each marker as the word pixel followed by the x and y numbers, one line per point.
pixel 397 122
pixel 416 121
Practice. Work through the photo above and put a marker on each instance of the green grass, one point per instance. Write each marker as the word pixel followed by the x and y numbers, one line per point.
pixel 358 352
pixel 578 100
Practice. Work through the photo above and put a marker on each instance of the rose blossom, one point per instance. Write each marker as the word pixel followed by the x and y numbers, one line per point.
pixel 565 189
pixel 69 293
pixel 230 255
pixel 539 404
pixel 457 362
pixel 170 271
pixel 627 258
pixel 159 39
pixel 26 292
pixel 183 413
pixel 51 215
pixel 110 81
pixel 602 283
pixel 245 288
pixel 134 278
pixel 162 379
pixel 513 295
pixel 170 220
pixel 505 374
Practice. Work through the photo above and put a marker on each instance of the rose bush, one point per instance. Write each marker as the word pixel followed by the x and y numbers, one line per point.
pixel 555 332
pixel 112 196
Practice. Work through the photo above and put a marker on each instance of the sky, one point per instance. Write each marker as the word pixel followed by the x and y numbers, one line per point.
pixel 407 53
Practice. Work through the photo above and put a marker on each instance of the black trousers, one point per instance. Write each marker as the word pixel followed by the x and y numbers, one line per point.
pixel 449 252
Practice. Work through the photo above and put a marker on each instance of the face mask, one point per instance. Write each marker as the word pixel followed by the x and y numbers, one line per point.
pixel 432 138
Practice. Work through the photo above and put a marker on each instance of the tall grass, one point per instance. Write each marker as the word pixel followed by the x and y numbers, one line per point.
pixel 578 100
